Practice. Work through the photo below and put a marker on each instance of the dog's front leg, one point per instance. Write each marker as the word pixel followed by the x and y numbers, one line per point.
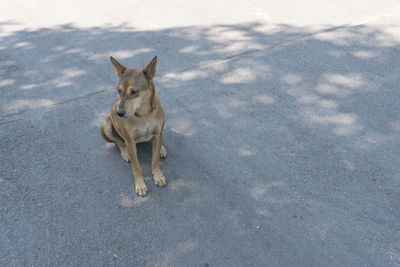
pixel 140 186
pixel 158 176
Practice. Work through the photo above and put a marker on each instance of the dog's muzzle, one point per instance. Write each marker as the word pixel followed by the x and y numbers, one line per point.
pixel 120 112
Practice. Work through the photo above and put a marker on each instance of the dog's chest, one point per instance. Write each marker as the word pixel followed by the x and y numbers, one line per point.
pixel 144 133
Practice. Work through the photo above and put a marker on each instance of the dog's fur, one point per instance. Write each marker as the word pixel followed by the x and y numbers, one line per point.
pixel 136 116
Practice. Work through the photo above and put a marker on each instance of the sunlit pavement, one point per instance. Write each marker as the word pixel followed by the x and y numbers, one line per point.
pixel 282 131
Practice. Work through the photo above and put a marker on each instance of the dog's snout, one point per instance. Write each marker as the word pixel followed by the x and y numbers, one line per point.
pixel 120 112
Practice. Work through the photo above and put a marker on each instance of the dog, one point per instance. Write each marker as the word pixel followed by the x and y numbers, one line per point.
pixel 136 116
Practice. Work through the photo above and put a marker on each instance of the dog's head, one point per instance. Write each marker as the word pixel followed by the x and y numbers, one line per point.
pixel 134 86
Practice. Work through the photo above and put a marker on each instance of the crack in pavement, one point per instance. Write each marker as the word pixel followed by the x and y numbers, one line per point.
pixel 282 43
pixel 254 51
pixel 30 112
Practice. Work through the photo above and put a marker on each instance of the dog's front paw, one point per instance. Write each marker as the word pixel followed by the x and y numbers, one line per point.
pixel 163 152
pixel 159 179
pixel 140 188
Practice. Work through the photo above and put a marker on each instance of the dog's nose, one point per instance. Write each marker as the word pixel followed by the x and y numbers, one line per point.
pixel 120 112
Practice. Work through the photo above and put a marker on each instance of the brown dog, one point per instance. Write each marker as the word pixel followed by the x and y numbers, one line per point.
pixel 136 116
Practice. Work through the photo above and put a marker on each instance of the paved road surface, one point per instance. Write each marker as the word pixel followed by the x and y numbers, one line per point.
pixel 283 132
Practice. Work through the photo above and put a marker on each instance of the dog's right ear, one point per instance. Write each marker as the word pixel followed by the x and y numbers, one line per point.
pixel 119 68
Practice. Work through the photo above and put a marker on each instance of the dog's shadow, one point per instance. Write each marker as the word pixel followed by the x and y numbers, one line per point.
pixel 145 155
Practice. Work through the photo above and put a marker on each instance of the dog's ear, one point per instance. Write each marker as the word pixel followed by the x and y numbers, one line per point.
pixel 150 69
pixel 119 68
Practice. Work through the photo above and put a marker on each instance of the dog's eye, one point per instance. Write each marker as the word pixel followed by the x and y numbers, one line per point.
pixel 133 92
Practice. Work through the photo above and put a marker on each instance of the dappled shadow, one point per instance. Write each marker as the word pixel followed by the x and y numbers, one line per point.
pixel 46 66
pixel 272 142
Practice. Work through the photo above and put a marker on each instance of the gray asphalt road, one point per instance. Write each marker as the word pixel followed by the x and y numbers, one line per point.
pixel 282 131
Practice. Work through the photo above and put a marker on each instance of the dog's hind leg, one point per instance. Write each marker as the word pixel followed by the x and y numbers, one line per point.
pixel 110 135
pixel 163 152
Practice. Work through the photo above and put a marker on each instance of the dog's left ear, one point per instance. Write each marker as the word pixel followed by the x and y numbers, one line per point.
pixel 150 70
